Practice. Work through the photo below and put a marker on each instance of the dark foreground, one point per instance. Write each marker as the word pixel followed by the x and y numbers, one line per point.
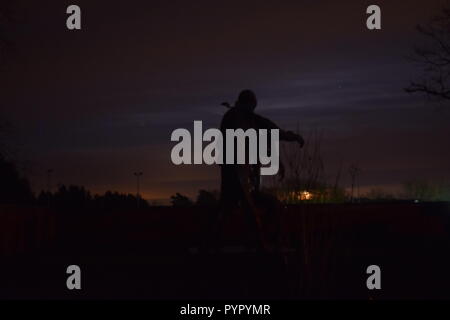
pixel 157 254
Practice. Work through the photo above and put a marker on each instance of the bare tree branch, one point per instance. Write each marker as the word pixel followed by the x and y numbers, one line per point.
pixel 434 58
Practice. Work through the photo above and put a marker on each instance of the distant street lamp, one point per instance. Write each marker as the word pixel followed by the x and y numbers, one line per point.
pixel 354 171
pixel 49 185
pixel 49 180
pixel 138 176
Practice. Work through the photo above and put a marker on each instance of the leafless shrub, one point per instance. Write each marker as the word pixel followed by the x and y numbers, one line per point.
pixel 305 178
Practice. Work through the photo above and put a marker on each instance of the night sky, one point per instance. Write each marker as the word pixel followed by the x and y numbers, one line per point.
pixel 95 105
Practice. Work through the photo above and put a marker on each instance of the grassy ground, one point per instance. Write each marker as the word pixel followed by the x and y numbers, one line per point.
pixel 157 254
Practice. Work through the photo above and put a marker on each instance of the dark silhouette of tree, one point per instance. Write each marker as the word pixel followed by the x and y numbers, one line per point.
pixel 44 197
pixel 206 199
pixel 434 58
pixel 115 200
pixel 178 200
pixel 78 197
pixel 73 196
pixel 13 187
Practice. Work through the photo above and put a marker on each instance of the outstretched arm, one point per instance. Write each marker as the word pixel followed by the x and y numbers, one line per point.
pixel 264 123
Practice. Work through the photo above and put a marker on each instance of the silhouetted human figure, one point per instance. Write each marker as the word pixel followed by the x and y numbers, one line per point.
pixel 240 182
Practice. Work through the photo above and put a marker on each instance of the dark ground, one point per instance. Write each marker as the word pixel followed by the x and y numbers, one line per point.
pixel 154 254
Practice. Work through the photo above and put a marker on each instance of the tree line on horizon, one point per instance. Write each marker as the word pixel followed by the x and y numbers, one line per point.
pixel 15 189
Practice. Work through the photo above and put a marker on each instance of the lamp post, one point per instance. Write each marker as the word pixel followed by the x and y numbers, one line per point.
pixel 49 185
pixel 49 177
pixel 138 176
pixel 354 171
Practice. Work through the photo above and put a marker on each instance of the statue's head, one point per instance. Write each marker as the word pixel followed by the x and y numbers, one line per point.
pixel 247 100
